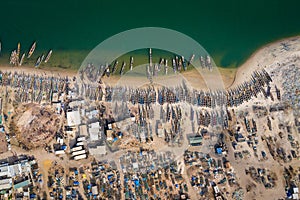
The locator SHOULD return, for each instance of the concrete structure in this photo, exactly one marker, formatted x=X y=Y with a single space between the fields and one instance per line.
x=14 y=170
x=76 y=153
x=79 y=157
x=109 y=134
x=74 y=104
x=5 y=184
x=83 y=130
x=4 y=171
x=59 y=152
x=94 y=130
x=81 y=139
x=73 y=118
x=99 y=150
x=160 y=132
x=95 y=190
x=195 y=140
x=8 y=172
x=76 y=148
x=79 y=144
x=21 y=184
x=92 y=114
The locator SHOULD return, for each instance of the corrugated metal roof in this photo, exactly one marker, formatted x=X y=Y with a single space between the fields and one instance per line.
x=21 y=184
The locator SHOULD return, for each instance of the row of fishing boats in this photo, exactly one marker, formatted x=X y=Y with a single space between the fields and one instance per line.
x=178 y=64
x=182 y=93
x=17 y=60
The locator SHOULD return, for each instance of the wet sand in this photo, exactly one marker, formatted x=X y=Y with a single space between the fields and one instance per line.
x=265 y=57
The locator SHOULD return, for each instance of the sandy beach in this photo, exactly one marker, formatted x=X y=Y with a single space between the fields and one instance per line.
x=275 y=58
x=192 y=77
x=32 y=70
x=266 y=57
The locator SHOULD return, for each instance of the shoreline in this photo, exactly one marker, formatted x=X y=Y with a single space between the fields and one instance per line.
x=264 y=57
x=231 y=76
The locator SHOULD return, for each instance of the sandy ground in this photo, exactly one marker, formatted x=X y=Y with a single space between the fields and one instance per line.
x=39 y=71
x=192 y=77
x=267 y=56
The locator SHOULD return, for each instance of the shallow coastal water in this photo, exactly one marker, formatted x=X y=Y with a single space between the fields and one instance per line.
x=229 y=30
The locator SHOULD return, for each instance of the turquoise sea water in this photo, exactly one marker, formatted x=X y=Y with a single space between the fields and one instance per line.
x=229 y=30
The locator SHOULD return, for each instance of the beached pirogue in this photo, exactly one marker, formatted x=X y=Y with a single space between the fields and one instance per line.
x=17 y=60
x=32 y=88
x=163 y=95
x=38 y=86
x=179 y=64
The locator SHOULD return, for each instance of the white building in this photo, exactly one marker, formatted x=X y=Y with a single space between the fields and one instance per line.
x=99 y=150
x=95 y=190
x=4 y=171
x=5 y=184
x=73 y=118
x=76 y=153
x=60 y=152
x=74 y=104
x=79 y=157
x=14 y=170
x=92 y=114
x=94 y=130
x=83 y=130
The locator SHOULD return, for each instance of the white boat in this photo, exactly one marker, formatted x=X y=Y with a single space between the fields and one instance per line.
x=18 y=49
x=161 y=62
x=202 y=61
x=191 y=59
x=22 y=58
x=150 y=57
x=48 y=56
x=131 y=63
x=31 y=50
x=115 y=67
x=173 y=63
x=176 y=60
x=13 y=58
x=42 y=58
x=208 y=61
x=122 y=68
x=38 y=62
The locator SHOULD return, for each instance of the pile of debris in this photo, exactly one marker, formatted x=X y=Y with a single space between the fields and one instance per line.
x=36 y=125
